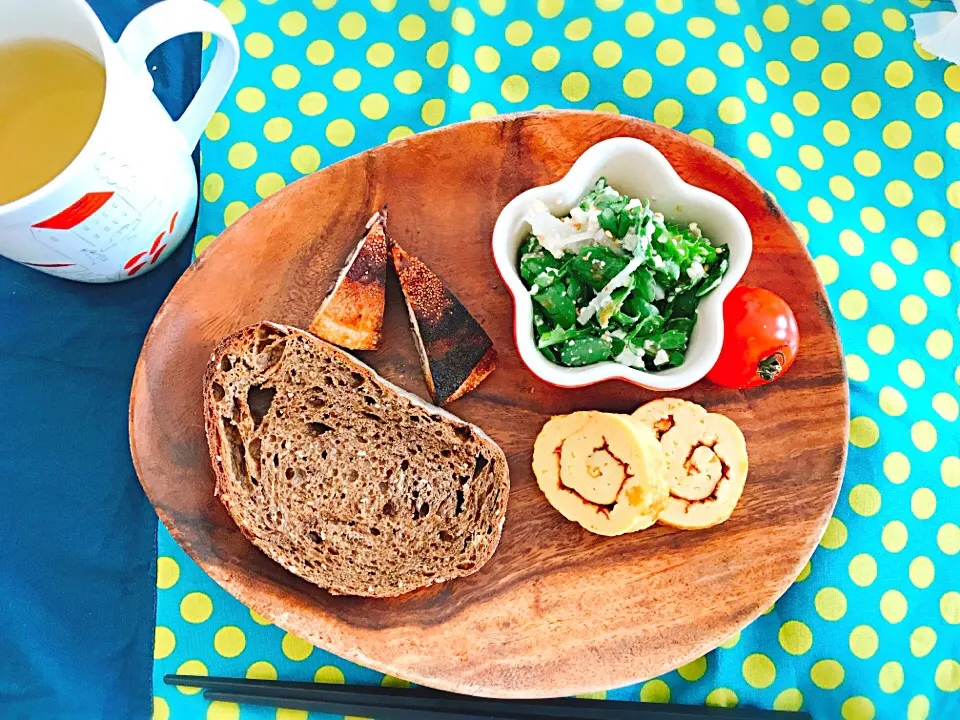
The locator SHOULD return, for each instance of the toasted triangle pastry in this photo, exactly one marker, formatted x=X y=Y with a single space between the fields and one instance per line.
x=351 y=315
x=455 y=352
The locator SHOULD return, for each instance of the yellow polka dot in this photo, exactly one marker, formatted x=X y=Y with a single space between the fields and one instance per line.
x=380 y=54
x=433 y=111
x=939 y=343
x=898 y=193
x=893 y=603
x=401 y=131
x=953 y=193
x=867 y=163
x=947 y=675
x=946 y=406
x=752 y=37
x=830 y=603
x=606 y=107
x=269 y=183
x=727 y=7
x=731 y=54
x=931 y=223
x=547 y=57
x=703 y=135
x=864 y=432
x=924 y=436
x=883 y=276
x=458 y=79
x=340 y=132
x=168 y=572
x=701 y=81
x=867 y=44
x=950 y=607
x=375 y=106
x=731 y=641
x=906 y=252
x=290 y=714
x=864 y=640
x=835 y=18
x=203 y=243
x=911 y=373
x=482 y=110
x=258 y=45
x=788 y=177
x=922 y=571
x=330 y=675
x=776 y=18
x=411 y=27
x=394 y=682
x=835 y=76
x=896 y=466
x=862 y=569
x=951 y=77
x=853 y=303
x=234 y=10
x=880 y=339
x=937 y=282
x=312 y=103
x=293 y=23
x=191 y=667
x=693 y=671
x=857 y=368
x=857 y=708
x=804 y=48
x=731 y=110
x=827 y=674
x=639 y=24
x=514 y=88
x=894 y=19
x=549 y=8
x=789 y=700
x=277 y=129
x=756 y=90
x=407 y=81
x=928 y=104
x=923 y=502
x=865 y=105
x=462 y=21
x=606 y=54
x=655 y=691
x=575 y=86
x=261 y=670
x=777 y=72
x=701 y=27
x=841 y=187
x=637 y=83
x=894 y=536
x=595 y=695
x=918 y=708
x=827 y=268
x=913 y=309
x=384 y=5
x=320 y=52
x=668 y=112
x=161 y=709
x=285 y=76
x=865 y=500
x=669 y=7
x=795 y=637
x=897 y=134
x=898 y=74
x=346 y=79
x=851 y=242
x=781 y=124
x=233 y=211
x=164 y=642
x=806 y=103
x=493 y=7
x=721 y=698
x=318 y=4
x=295 y=648
x=486 y=58
x=928 y=164
x=670 y=52
x=352 y=25
x=922 y=641
x=222 y=710
x=218 y=126
x=835 y=535
x=229 y=641
x=437 y=54
x=518 y=33
x=305 y=159
x=196 y=607
x=872 y=219
x=953 y=135
x=250 y=99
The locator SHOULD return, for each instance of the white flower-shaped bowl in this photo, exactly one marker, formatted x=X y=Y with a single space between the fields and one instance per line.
x=637 y=169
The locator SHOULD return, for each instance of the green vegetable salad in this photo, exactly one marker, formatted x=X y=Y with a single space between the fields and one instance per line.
x=614 y=280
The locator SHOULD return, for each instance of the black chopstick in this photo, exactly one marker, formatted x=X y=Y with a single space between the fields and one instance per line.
x=409 y=703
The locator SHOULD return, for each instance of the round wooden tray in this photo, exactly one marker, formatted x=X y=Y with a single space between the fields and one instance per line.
x=557 y=610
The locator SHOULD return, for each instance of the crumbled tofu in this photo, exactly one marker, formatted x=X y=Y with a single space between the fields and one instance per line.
x=661 y=357
x=634 y=203
x=695 y=229
x=695 y=271
x=609 y=191
x=534 y=289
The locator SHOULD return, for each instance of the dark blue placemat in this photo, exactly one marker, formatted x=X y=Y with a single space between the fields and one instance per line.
x=77 y=535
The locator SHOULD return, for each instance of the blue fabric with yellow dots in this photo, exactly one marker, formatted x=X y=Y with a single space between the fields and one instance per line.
x=835 y=110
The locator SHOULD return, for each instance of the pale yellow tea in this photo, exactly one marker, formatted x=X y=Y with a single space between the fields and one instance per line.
x=51 y=93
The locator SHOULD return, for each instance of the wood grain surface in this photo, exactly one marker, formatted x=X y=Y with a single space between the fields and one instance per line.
x=557 y=610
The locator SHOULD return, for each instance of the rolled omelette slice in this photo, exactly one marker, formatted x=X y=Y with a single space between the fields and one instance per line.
x=601 y=470
x=706 y=461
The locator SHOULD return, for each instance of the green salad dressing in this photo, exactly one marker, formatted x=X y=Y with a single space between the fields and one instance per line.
x=614 y=280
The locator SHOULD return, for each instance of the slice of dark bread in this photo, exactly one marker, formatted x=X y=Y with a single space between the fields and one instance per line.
x=455 y=351
x=341 y=477
x=351 y=314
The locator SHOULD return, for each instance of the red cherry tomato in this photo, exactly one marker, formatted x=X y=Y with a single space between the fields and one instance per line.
x=760 y=339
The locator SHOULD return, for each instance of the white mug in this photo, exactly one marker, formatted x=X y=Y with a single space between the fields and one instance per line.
x=128 y=199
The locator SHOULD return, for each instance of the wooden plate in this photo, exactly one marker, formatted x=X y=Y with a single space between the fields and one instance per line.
x=557 y=610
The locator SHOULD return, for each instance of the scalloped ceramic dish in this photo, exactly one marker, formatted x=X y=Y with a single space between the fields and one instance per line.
x=637 y=169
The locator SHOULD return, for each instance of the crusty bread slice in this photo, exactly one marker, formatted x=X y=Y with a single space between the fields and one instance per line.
x=341 y=477
x=351 y=314
x=455 y=352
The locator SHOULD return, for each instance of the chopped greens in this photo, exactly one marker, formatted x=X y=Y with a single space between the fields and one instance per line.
x=616 y=281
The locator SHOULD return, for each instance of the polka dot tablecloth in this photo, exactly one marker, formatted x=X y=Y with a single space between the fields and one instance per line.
x=839 y=114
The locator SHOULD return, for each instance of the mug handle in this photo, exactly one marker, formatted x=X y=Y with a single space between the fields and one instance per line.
x=170 y=18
